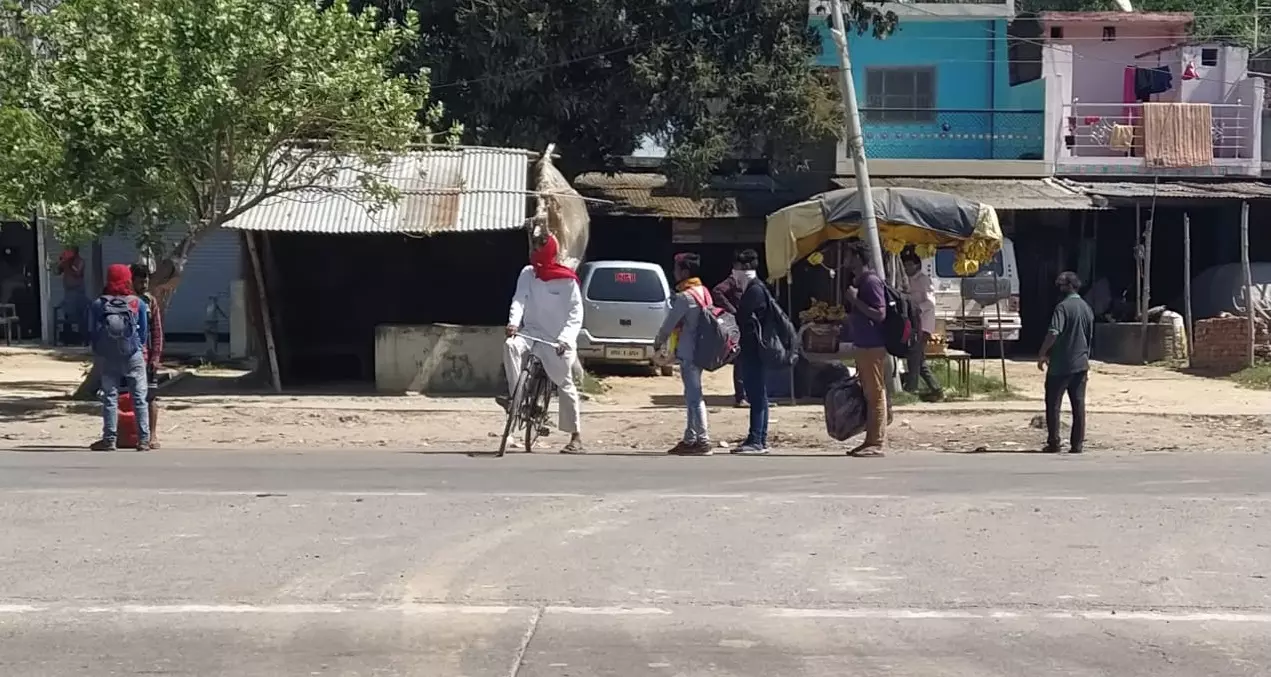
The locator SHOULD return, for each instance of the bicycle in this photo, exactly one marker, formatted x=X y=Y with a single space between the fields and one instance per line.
x=527 y=409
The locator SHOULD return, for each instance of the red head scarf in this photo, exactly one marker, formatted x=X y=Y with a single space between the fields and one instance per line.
x=118 y=280
x=545 y=266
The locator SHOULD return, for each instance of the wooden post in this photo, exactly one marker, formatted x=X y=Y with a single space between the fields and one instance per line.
x=1146 y=299
x=1138 y=260
x=790 y=311
x=1187 y=280
x=1250 y=310
x=266 y=318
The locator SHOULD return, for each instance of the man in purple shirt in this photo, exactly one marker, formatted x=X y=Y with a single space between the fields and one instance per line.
x=867 y=307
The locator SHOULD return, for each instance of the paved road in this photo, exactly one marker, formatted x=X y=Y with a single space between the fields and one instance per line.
x=378 y=563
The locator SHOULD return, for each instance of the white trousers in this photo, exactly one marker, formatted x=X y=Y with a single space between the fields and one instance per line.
x=559 y=369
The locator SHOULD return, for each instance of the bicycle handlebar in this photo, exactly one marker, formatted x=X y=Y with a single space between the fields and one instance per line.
x=536 y=339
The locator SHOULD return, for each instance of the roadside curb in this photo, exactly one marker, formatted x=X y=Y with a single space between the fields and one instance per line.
x=177 y=403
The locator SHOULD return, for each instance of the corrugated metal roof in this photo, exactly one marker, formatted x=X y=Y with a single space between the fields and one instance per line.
x=1175 y=190
x=1010 y=194
x=634 y=194
x=461 y=190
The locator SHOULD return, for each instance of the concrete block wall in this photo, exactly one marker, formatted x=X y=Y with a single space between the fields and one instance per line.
x=439 y=359
x=1221 y=344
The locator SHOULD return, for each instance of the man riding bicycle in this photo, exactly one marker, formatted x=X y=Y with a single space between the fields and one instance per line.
x=548 y=306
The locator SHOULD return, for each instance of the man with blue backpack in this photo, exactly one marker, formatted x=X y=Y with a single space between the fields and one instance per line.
x=703 y=337
x=117 y=334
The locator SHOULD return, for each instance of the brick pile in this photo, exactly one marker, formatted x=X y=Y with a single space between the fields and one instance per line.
x=1221 y=343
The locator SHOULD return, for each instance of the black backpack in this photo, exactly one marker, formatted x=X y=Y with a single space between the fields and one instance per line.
x=900 y=325
x=778 y=341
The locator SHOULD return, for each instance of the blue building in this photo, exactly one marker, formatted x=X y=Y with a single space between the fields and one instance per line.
x=940 y=95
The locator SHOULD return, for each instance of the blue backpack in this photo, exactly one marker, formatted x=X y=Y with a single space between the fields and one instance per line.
x=118 y=336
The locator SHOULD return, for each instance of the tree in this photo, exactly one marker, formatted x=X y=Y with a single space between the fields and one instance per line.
x=188 y=113
x=28 y=148
x=596 y=76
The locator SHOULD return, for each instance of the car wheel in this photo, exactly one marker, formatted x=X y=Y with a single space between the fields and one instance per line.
x=667 y=370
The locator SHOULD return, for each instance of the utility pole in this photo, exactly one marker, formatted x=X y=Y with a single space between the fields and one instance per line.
x=856 y=141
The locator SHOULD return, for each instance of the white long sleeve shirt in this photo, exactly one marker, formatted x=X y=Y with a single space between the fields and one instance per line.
x=923 y=295
x=550 y=310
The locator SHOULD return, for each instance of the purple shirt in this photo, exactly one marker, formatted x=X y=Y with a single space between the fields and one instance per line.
x=867 y=333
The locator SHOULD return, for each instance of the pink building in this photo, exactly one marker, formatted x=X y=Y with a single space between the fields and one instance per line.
x=1101 y=68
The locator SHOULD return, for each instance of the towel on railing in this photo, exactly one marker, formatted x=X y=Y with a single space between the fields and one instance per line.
x=1178 y=134
x=1122 y=137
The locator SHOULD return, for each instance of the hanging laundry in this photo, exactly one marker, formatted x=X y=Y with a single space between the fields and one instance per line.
x=1100 y=132
x=1149 y=81
x=1122 y=137
x=1127 y=94
x=1189 y=73
x=1178 y=134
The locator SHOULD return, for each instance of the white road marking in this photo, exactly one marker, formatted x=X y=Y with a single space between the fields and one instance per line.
x=972 y=614
x=865 y=613
x=266 y=494
x=608 y=611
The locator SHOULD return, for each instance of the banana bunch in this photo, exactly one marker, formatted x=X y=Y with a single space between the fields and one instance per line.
x=822 y=311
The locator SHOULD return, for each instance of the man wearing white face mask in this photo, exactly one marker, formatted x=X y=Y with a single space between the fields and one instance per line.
x=727 y=295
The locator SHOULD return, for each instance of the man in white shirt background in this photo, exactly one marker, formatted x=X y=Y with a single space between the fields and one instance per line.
x=922 y=295
x=547 y=305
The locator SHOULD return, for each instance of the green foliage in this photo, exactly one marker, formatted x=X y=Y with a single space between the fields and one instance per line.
x=28 y=148
x=595 y=76
x=194 y=111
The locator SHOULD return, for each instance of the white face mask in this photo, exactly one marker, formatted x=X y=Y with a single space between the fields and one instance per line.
x=744 y=276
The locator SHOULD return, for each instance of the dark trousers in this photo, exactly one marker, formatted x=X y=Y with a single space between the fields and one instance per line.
x=918 y=367
x=755 y=378
x=1075 y=386
x=739 y=384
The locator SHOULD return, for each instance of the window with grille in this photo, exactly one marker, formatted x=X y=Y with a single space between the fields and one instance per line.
x=904 y=94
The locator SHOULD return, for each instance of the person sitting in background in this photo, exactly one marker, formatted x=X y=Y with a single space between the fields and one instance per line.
x=154 y=344
x=117 y=332
x=680 y=329
x=922 y=295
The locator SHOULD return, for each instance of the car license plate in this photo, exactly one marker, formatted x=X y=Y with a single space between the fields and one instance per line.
x=624 y=353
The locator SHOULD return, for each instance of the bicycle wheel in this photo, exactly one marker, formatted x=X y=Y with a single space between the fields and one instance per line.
x=515 y=415
x=535 y=407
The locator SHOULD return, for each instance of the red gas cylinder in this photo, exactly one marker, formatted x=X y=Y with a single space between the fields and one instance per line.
x=127 y=422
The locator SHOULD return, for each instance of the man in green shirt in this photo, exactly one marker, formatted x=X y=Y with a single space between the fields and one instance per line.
x=1067 y=352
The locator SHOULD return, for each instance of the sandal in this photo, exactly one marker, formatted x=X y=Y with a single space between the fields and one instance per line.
x=573 y=447
x=867 y=450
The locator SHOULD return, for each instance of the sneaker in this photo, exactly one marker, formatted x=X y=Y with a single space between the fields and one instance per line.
x=102 y=445
x=143 y=446
x=680 y=448
x=741 y=404
x=698 y=448
x=751 y=449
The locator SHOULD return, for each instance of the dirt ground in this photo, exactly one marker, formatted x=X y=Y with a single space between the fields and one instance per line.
x=1133 y=409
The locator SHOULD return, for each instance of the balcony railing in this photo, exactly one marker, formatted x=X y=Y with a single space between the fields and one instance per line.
x=1100 y=132
x=940 y=134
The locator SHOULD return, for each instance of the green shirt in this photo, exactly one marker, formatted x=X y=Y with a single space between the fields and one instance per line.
x=1072 y=325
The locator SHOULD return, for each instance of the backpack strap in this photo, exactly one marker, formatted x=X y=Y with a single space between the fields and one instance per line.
x=702 y=296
